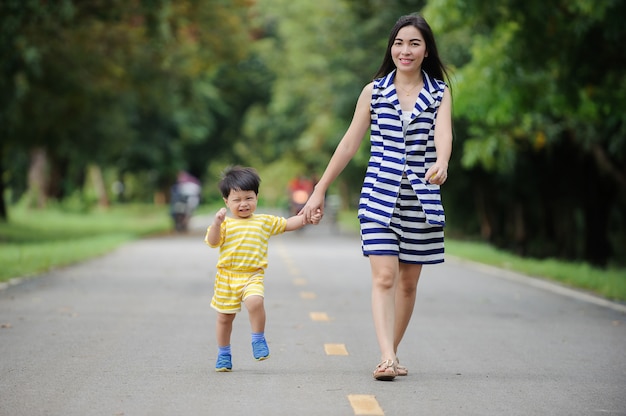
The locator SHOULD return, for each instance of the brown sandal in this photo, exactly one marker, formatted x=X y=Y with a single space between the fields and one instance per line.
x=386 y=371
x=402 y=370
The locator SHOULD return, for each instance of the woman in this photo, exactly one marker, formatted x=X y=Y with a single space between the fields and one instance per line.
x=408 y=108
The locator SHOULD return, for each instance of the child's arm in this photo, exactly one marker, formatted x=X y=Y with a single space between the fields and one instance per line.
x=213 y=234
x=298 y=221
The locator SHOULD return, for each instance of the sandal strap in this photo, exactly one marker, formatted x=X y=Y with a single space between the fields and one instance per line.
x=385 y=370
x=385 y=364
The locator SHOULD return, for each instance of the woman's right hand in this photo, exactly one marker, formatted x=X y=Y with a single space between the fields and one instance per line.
x=314 y=205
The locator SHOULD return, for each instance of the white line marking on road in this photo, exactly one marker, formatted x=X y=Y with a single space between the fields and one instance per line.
x=547 y=285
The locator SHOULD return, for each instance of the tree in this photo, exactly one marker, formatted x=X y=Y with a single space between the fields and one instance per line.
x=321 y=54
x=128 y=84
x=540 y=92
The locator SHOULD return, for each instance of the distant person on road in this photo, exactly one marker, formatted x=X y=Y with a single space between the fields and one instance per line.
x=243 y=241
x=184 y=199
x=408 y=109
x=300 y=188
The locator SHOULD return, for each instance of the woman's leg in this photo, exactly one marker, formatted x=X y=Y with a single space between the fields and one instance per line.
x=224 y=328
x=384 y=278
x=405 y=295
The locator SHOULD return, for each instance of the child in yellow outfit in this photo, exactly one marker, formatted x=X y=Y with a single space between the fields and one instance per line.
x=243 y=241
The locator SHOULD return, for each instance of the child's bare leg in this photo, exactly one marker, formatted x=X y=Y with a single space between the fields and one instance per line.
x=224 y=328
x=256 y=312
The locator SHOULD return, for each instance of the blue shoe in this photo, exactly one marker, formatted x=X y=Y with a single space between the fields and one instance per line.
x=260 y=350
x=224 y=363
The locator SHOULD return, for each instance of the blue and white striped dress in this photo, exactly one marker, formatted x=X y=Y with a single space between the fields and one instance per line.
x=407 y=152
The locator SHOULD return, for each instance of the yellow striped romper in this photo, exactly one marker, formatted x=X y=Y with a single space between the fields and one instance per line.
x=243 y=259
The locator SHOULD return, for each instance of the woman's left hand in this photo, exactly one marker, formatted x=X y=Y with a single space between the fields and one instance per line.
x=437 y=174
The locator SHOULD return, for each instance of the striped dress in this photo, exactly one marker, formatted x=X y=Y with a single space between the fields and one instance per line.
x=402 y=152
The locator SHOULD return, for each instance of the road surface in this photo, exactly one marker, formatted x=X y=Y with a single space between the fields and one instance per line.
x=131 y=333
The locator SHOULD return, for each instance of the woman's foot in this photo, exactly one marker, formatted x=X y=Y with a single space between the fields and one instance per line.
x=402 y=370
x=386 y=371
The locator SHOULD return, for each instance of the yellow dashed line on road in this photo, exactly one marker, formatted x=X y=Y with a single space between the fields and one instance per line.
x=319 y=316
x=335 y=349
x=291 y=266
x=362 y=404
x=365 y=405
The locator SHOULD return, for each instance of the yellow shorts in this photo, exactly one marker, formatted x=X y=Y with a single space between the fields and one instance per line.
x=231 y=288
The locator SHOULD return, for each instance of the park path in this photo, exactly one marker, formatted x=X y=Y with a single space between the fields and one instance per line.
x=132 y=333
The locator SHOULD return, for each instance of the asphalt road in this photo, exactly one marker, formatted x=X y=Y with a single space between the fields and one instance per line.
x=132 y=333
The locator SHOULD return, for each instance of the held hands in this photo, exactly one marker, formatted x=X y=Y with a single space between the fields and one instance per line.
x=314 y=209
x=316 y=217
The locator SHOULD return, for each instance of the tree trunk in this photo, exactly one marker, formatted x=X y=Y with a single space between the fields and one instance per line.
x=519 y=229
x=38 y=177
x=98 y=183
x=597 y=210
x=482 y=210
x=4 y=215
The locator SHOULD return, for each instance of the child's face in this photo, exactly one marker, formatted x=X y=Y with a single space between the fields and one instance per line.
x=241 y=204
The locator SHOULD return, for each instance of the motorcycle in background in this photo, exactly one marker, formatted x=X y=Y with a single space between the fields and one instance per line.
x=300 y=189
x=184 y=199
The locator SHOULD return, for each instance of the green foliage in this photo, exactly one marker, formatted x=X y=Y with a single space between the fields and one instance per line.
x=129 y=84
x=316 y=53
x=33 y=244
x=146 y=88
x=307 y=111
x=537 y=100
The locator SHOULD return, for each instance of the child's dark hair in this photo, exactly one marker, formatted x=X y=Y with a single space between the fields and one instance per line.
x=239 y=178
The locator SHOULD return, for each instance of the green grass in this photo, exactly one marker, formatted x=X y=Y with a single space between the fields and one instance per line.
x=608 y=283
x=35 y=241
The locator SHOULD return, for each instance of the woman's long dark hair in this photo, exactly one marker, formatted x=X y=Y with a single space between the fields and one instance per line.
x=432 y=64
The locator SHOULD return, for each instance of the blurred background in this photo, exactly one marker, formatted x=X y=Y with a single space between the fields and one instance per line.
x=105 y=103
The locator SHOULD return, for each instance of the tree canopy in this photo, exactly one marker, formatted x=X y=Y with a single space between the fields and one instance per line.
x=145 y=88
x=539 y=95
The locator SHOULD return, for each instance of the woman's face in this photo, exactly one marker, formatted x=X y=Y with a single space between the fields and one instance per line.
x=409 y=49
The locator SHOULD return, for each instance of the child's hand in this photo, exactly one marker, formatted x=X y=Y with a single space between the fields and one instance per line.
x=220 y=216
x=316 y=217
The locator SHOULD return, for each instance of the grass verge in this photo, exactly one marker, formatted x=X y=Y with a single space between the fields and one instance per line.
x=35 y=241
x=608 y=283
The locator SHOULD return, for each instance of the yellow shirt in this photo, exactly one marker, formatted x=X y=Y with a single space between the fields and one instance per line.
x=244 y=242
